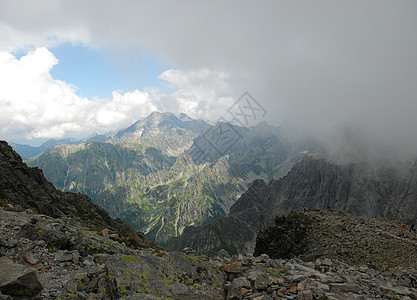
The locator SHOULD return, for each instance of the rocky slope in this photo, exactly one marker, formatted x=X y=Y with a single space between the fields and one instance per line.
x=26 y=187
x=56 y=245
x=48 y=258
x=308 y=235
x=360 y=189
x=94 y=266
x=264 y=278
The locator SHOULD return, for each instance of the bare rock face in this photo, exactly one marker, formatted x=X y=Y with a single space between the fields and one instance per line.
x=18 y=280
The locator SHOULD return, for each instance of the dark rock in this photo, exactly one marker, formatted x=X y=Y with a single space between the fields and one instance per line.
x=242 y=282
x=63 y=256
x=233 y=266
x=18 y=280
x=234 y=292
x=261 y=281
x=72 y=287
x=344 y=287
x=286 y=239
x=55 y=239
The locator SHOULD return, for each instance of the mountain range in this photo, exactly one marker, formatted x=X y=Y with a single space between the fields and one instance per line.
x=165 y=173
x=188 y=183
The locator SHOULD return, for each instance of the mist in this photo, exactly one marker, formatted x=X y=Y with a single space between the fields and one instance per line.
x=323 y=66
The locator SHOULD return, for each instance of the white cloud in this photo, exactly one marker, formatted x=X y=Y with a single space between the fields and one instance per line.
x=319 y=63
x=32 y=98
x=39 y=106
x=201 y=94
x=35 y=105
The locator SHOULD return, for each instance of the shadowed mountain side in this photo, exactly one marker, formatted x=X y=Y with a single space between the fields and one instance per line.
x=313 y=183
x=27 y=187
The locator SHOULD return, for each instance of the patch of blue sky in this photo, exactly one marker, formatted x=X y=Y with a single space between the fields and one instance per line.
x=98 y=72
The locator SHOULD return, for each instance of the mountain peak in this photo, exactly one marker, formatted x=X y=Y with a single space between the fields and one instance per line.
x=185 y=118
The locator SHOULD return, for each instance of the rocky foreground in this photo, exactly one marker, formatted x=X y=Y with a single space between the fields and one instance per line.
x=48 y=258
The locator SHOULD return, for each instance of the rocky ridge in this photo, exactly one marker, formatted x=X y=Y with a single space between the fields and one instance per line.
x=311 y=234
x=47 y=258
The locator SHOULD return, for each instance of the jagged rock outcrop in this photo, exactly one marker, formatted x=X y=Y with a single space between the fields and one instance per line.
x=313 y=183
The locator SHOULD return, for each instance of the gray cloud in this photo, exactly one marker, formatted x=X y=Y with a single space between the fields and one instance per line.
x=319 y=64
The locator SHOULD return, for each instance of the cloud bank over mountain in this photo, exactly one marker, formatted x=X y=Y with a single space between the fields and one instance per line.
x=320 y=65
x=36 y=104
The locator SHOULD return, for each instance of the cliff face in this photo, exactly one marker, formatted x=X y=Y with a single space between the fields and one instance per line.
x=314 y=183
x=360 y=189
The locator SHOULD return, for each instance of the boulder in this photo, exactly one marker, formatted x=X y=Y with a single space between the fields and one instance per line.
x=233 y=266
x=18 y=281
x=261 y=281
x=163 y=275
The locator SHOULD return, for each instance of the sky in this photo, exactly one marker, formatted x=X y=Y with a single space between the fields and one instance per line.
x=68 y=68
